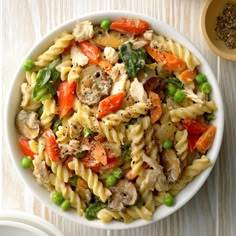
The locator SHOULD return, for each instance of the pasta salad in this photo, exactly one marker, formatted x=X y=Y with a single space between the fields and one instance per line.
x=115 y=119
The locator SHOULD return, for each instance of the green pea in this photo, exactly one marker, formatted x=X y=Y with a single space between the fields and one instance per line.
x=105 y=24
x=57 y=198
x=65 y=205
x=80 y=154
x=117 y=172
x=111 y=180
x=73 y=180
x=200 y=78
x=205 y=87
x=28 y=65
x=26 y=162
x=171 y=89
x=167 y=144
x=168 y=200
x=88 y=133
x=179 y=96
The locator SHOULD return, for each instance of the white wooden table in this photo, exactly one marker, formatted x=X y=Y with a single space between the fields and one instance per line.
x=212 y=211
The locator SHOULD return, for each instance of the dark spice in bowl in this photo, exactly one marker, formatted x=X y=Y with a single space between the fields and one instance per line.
x=226 y=25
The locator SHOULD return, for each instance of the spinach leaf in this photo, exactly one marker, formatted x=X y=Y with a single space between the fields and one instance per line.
x=176 y=82
x=47 y=81
x=134 y=60
x=91 y=211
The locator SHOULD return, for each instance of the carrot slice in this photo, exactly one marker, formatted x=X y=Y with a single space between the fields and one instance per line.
x=25 y=148
x=206 y=139
x=66 y=97
x=130 y=26
x=52 y=148
x=156 y=111
x=90 y=50
x=170 y=61
x=187 y=76
x=105 y=65
x=131 y=176
x=81 y=183
x=109 y=104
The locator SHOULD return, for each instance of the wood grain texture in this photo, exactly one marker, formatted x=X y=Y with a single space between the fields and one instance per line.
x=212 y=211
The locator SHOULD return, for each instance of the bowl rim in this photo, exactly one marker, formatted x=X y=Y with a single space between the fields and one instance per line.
x=215 y=49
x=198 y=181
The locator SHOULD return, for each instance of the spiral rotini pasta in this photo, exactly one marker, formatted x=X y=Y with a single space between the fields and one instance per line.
x=49 y=112
x=64 y=68
x=113 y=138
x=61 y=172
x=91 y=178
x=68 y=193
x=192 y=111
x=181 y=145
x=62 y=134
x=54 y=51
x=177 y=50
x=138 y=143
x=132 y=213
x=126 y=115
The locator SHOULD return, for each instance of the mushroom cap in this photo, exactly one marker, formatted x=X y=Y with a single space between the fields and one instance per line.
x=124 y=194
x=27 y=124
x=93 y=85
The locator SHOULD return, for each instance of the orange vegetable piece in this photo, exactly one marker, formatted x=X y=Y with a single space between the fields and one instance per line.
x=130 y=26
x=25 y=148
x=105 y=65
x=187 y=76
x=109 y=104
x=91 y=51
x=156 y=111
x=66 y=97
x=81 y=183
x=131 y=176
x=206 y=140
x=98 y=152
x=52 y=148
x=170 y=61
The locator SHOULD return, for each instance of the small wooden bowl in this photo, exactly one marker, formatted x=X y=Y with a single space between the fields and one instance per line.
x=210 y=11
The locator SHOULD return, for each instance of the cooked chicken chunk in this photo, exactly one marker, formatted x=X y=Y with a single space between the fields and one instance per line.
x=78 y=58
x=137 y=91
x=41 y=173
x=111 y=55
x=28 y=103
x=83 y=31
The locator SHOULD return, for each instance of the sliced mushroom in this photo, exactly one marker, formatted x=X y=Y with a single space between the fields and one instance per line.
x=93 y=85
x=124 y=194
x=171 y=165
x=27 y=124
x=110 y=38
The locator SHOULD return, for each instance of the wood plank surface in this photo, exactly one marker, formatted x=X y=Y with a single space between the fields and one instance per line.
x=212 y=212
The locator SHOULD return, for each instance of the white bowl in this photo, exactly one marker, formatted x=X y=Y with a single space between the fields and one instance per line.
x=12 y=228
x=13 y=106
x=32 y=220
